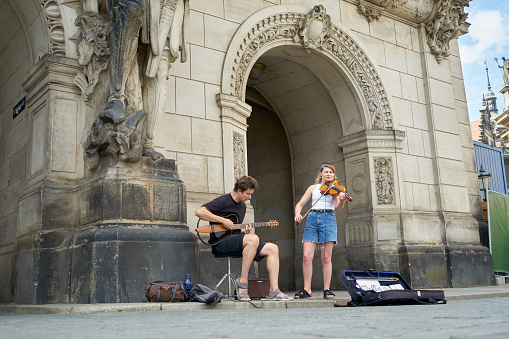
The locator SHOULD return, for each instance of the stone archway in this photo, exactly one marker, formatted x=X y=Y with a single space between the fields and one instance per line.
x=364 y=130
x=290 y=26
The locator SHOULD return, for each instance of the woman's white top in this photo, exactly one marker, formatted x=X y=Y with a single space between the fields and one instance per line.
x=325 y=203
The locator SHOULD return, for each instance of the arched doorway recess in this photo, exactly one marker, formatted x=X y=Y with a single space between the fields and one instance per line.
x=325 y=90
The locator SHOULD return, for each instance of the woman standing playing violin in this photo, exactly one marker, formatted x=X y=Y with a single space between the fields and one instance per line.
x=320 y=229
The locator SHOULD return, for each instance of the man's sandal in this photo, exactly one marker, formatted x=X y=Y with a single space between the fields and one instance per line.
x=273 y=295
x=241 y=296
x=302 y=294
x=327 y=294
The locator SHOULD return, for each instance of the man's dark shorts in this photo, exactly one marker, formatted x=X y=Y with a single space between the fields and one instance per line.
x=232 y=246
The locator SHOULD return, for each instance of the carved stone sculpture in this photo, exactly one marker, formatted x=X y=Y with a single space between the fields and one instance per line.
x=370 y=13
x=444 y=27
x=314 y=27
x=238 y=155
x=384 y=181
x=505 y=71
x=92 y=41
x=132 y=93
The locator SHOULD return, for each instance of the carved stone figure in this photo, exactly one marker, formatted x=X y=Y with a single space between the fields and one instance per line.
x=161 y=25
x=444 y=26
x=505 y=71
x=384 y=181
x=92 y=42
x=238 y=154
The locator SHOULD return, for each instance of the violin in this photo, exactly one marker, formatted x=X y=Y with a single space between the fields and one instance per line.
x=334 y=188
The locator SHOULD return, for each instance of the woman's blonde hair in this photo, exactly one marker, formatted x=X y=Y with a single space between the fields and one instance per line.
x=325 y=165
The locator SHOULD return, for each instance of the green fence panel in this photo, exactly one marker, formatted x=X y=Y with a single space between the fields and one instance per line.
x=498 y=220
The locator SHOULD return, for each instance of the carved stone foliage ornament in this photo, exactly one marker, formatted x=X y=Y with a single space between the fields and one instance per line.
x=369 y=12
x=239 y=167
x=315 y=31
x=55 y=27
x=314 y=27
x=384 y=181
x=444 y=26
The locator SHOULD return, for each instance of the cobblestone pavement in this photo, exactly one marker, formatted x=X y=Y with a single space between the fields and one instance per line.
x=470 y=318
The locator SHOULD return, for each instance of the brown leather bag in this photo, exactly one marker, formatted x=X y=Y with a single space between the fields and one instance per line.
x=168 y=292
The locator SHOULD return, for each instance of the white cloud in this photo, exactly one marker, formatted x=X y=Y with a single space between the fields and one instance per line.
x=489 y=31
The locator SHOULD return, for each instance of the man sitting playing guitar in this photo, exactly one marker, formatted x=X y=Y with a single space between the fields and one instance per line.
x=227 y=210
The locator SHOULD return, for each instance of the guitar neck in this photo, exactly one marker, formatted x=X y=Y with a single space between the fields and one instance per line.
x=253 y=224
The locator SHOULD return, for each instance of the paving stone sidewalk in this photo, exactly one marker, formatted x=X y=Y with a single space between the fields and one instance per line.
x=316 y=301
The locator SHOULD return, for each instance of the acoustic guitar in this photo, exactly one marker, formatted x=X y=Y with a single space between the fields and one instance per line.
x=220 y=228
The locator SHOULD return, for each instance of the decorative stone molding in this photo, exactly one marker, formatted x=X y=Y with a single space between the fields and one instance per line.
x=444 y=26
x=313 y=28
x=239 y=167
x=384 y=181
x=287 y=28
x=412 y=11
x=371 y=13
x=55 y=27
x=359 y=183
x=372 y=140
x=233 y=110
x=358 y=232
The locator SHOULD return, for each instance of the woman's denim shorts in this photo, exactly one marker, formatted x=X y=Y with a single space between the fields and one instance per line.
x=321 y=227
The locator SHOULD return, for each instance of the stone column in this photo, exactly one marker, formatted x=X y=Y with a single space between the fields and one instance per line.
x=100 y=238
x=54 y=154
x=234 y=114
x=373 y=226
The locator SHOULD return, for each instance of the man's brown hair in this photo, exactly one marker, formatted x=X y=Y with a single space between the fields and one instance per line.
x=245 y=183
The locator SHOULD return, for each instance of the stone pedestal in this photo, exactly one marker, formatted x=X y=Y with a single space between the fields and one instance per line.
x=104 y=240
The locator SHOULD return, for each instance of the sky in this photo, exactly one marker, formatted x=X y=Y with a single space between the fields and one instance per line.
x=488 y=38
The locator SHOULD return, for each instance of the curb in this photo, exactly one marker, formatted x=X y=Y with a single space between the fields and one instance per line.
x=225 y=304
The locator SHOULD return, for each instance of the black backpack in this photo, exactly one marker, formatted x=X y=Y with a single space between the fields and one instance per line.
x=205 y=295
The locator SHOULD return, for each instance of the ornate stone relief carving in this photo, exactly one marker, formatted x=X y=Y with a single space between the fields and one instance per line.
x=239 y=167
x=384 y=181
x=444 y=20
x=136 y=86
x=449 y=15
x=369 y=12
x=55 y=27
x=359 y=183
x=331 y=39
x=93 y=50
x=314 y=27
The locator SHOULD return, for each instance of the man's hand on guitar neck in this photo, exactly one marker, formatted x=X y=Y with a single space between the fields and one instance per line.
x=248 y=229
x=227 y=223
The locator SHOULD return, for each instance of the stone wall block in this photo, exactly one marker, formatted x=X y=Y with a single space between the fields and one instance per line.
x=54 y=239
x=53 y=281
x=206 y=64
x=59 y=210
x=135 y=201
x=91 y=204
x=168 y=203
x=81 y=268
x=465 y=259
x=110 y=200
x=424 y=266
x=26 y=272
x=104 y=276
